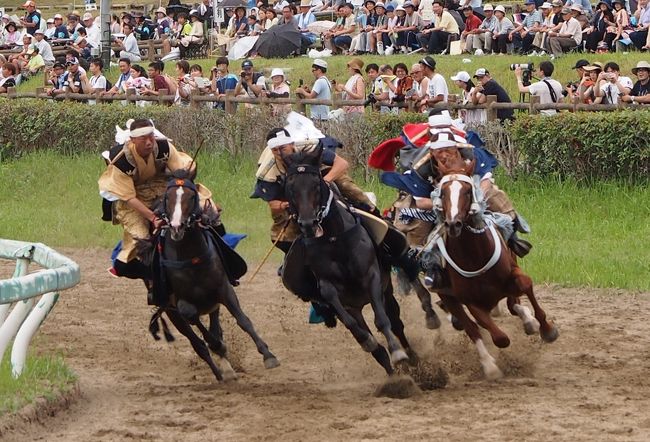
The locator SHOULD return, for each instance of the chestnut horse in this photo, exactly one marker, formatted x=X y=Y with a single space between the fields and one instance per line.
x=481 y=269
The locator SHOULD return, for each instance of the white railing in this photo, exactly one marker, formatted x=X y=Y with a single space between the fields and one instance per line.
x=23 y=320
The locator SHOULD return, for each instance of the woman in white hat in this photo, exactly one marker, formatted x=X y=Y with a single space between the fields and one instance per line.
x=279 y=89
x=463 y=80
x=502 y=28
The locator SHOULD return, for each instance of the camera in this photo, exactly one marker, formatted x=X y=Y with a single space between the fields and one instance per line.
x=523 y=66
x=370 y=100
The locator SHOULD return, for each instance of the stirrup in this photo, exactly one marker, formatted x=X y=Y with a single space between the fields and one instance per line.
x=519 y=246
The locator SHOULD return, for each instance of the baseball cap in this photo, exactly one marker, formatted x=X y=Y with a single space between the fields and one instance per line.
x=408 y=4
x=428 y=61
x=246 y=64
x=50 y=21
x=87 y=16
x=546 y=5
x=557 y=3
x=38 y=31
x=500 y=9
x=529 y=2
x=29 y=3
x=390 y=8
x=461 y=76
x=481 y=72
x=72 y=62
x=488 y=7
x=58 y=16
x=320 y=63
x=580 y=64
x=277 y=71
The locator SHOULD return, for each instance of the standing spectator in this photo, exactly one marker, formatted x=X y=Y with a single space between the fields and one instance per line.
x=437 y=90
x=321 y=90
x=222 y=80
x=44 y=48
x=73 y=81
x=183 y=86
x=97 y=81
x=547 y=89
x=568 y=37
x=61 y=31
x=8 y=77
x=32 y=19
x=464 y=82
x=488 y=86
x=408 y=31
x=420 y=86
x=501 y=31
x=435 y=37
x=205 y=13
x=523 y=35
x=354 y=88
x=129 y=45
x=304 y=19
x=56 y=79
x=125 y=73
x=611 y=85
x=472 y=25
x=595 y=33
x=586 y=88
x=640 y=93
x=279 y=89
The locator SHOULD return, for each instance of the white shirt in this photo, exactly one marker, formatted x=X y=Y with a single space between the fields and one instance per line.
x=572 y=27
x=437 y=86
x=93 y=36
x=611 y=92
x=98 y=82
x=131 y=44
x=45 y=50
x=541 y=89
x=323 y=92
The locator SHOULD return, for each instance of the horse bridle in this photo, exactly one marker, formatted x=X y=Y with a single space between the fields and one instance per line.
x=195 y=216
x=325 y=198
x=474 y=207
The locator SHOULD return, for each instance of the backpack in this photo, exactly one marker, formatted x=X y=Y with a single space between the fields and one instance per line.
x=109 y=85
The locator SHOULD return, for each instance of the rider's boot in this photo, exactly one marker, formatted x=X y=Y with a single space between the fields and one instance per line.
x=498 y=201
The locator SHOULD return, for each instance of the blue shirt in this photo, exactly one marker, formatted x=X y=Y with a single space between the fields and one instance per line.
x=227 y=83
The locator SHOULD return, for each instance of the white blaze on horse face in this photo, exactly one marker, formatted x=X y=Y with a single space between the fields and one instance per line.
x=178 y=211
x=455 y=188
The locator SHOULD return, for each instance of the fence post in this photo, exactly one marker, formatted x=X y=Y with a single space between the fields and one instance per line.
x=534 y=100
x=229 y=106
x=336 y=97
x=150 y=50
x=491 y=111
x=161 y=95
x=129 y=93
x=575 y=100
x=301 y=108
x=193 y=103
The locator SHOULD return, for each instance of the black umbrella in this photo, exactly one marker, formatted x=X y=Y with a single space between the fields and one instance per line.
x=232 y=4
x=279 y=41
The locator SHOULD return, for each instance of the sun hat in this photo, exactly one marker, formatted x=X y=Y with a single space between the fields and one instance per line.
x=305 y=3
x=488 y=7
x=400 y=8
x=593 y=67
x=576 y=8
x=529 y=2
x=461 y=76
x=355 y=63
x=161 y=10
x=320 y=63
x=546 y=5
x=481 y=72
x=566 y=11
x=408 y=4
x=88 y=16
x=641 y=65
x=557 y=3
x=380 y=5
x=390 y=8
x=500 y=9
x=277 y=71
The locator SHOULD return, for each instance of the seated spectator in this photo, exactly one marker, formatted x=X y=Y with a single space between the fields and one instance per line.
x=584 y=6
x=144 y=29
x=402 y=85
x=250 y=84
x=97 y=82
x=238 y=23
x=50 y=29
x=408 y=30
x=387 y=76
x=138 y=80
x=163 y=23
x=183 y=29
x=568 y=37
x=73 y=81
x=472 y=25
x=196 y=34
x=463 y=80
x=375 y=41
x=73 y=26
x=11 y=36
x=253 y=28
x=354 y=88
x=8 y=77
x=19 y=59
x=341 y=38
x=271 y=18
x=548 y=23
x=587 y=86
x=639 y=36
x=435 y=36
x=61 y=31
x=197 y=81
x=378 y=88
x=222 y=80
x=116 y=26
x=601 y=20
x=44 y=48
x=279 y=5
x=34 y=64
x=93 y=33
x=481 y=38
x=279 y=89
x=129 y=44
x=82 y=47
x=523 y=35
x=288 y=15
x=304 y=19
x=621 y=28
x=610 y=85
x=640 y=93
x=56 y=78
x=502 y=29
x=420 y=86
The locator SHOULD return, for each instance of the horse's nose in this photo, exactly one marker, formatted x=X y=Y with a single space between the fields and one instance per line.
x=307 y=223
x=454 y=227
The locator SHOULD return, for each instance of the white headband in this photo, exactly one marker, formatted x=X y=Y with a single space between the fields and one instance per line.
x=280 y=140
x=448 y=139
x=141 y=131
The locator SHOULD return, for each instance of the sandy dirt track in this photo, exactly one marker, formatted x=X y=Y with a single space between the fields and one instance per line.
x=592 y=384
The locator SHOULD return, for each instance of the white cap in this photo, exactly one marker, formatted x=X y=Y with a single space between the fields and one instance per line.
x=320 y=63
x=576 y=8
x=481 y=72
x=546 y=5
x=277 y=71
x=400 y=8
x=58 y=16
x=50 y=21
x=499 y=8
x=380 y=5
x=38 y=31
x=87 y=16
x=488 y=7
x=461 y=76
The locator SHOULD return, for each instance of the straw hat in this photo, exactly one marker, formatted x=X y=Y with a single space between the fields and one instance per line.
x=641 y=65
x=355 y=63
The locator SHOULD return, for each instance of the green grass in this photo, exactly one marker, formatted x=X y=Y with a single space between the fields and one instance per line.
x=583 y=235
x=299 y=68
x=43 y=377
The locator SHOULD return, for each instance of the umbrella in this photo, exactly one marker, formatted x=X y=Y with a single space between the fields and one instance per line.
x=232 y=4
x=242 y=47
x=321 y=26
x=279 y=41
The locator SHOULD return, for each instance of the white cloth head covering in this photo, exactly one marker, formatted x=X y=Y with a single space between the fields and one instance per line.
x=124 y=135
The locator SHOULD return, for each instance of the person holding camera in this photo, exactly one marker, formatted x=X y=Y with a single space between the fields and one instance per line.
x=610 y=85
x=250 y=83
x=548 y=89
x=488 y=86
x=321 y=90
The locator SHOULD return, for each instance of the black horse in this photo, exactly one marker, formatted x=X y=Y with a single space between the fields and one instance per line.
x=190 y=262
x=336 y=263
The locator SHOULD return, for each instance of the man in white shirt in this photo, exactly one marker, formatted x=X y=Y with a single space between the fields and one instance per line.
x=44 y=48
x=611 y=85
x=321 y=90
x=548 y=89
x=93 y=34
x=130 y=44
x=437 y=90
x=568 y=37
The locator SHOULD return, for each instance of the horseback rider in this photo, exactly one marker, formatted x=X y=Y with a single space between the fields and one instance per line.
x=139 y=166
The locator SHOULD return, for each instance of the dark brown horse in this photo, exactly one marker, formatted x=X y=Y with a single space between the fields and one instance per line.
x=481 y=269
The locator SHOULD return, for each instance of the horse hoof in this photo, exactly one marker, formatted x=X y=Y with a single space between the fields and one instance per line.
x=271 y=362
x=414 y=359
x=432 y=322
x=501 y=341
x=370 y=344
x=551 y=335
x=492 y=373
x=229 y=376
x=398 y=356
x=531 y=327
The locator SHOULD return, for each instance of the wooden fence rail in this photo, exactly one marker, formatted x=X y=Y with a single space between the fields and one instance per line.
x=230 y=102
